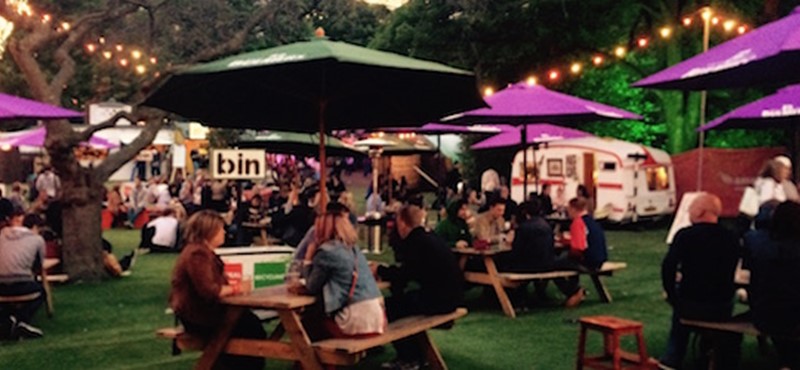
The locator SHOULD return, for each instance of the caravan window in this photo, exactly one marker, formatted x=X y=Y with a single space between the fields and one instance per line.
x=609 y=166
x=657 y=178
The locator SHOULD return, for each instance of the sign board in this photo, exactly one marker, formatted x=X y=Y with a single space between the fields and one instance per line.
x=264 y=266
x=178 y=156
x=237 y=164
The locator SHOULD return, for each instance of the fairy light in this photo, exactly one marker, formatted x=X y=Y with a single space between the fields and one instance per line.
x=597 y=60
x=141 y=69
x=729 y=25
x=488 y=91
x=119 y=47
x=153 y=60
x=687 y=21
x=620 y=51
x=642 y=42
x=741 y=30
x=47 y=18
x=65 y=26
x=553 y=75
x=576 y=68
x=706 y=13
x=107 y=54
x=532 y=80
x=136 y=54
x=665 y=32
x=715 y=21
x=91 y=48
x=123 y=62
x=101 y=40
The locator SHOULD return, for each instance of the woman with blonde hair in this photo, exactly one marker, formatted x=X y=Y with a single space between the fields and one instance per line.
x=199 y=283
x=339 y=272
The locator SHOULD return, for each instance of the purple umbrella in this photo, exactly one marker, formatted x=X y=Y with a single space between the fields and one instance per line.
x=524 y=103
x=780 y=110
x=14 y=107
x=444 y=129
x=36 y=137
x=768 y=54
x=537 y=133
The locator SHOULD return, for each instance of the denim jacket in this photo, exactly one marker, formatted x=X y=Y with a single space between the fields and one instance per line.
x=332 y=275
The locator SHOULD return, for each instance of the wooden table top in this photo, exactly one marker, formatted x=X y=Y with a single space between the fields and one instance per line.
x=51 y=262
x=480 y=252
x=274 y=297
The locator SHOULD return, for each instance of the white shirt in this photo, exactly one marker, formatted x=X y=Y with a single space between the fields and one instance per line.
x=166 y=234
x=769 y=189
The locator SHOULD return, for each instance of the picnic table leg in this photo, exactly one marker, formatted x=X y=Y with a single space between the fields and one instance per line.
x=219 y=341
x=48 y=294
x=462 y=261
x=278 y=333
x=491 y=270
x=435 y=360
x=602 y=291
x=299 y=339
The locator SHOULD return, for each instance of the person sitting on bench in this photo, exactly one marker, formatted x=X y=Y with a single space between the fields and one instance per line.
x=774 y=273
x=21 y=252
x=429 y=262
x=706 y=255
x=587 y=250
x=198 y=284
x=162 y=234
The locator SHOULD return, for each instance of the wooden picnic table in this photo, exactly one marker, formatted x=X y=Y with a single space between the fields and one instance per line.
x=46 y=265
x=277 y=298
x=490 y=277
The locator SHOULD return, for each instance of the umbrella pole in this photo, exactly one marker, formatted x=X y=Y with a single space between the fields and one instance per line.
x=524 y=141
x=323 y=171
x=795 y=135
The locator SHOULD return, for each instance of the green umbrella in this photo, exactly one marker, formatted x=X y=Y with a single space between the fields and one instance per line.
x=297 y=143
x=317 y=86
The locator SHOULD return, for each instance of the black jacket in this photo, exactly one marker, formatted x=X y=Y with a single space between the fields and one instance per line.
x=430 y=263
x=532 y=249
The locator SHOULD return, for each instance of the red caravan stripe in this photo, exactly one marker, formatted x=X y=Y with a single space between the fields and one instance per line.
x=518 y=181
x=606 y=185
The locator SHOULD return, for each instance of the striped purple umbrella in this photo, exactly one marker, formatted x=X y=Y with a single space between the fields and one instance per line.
x=537 y=133
x=14 y=107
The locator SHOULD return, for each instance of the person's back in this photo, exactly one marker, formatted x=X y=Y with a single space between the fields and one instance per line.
x=532 y=249
x=587 y=238
x=20 y=248
x=597 y=250
x=165 y=231
x=707 y=254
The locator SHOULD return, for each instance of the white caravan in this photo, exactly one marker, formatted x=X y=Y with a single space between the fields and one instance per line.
x=627 y=181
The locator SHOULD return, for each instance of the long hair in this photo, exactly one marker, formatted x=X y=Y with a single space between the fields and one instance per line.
x=334 y=226
x=202 y=226
x=769 y=169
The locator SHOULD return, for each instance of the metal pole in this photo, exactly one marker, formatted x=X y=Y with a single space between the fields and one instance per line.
x=524 y=141
x=323 y=176
x=703 y=100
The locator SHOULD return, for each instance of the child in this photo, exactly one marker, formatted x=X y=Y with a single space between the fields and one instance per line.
x=587 y=250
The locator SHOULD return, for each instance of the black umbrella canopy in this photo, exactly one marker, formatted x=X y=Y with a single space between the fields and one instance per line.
x=294 y=87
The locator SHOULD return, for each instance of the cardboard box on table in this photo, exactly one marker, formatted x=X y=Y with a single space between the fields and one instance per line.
x=265 y=266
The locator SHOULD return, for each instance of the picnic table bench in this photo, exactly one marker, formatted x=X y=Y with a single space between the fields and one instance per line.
x=500 y=280
x=329 y=352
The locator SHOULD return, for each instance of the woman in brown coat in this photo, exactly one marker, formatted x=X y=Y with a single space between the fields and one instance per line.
x=198 y=284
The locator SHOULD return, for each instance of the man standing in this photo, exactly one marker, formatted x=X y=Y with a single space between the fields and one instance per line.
x=21 y=252
x=48 y=183
x=706 y=255
x=429 y=263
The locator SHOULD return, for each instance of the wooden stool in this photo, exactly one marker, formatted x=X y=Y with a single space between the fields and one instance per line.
x=612 y=329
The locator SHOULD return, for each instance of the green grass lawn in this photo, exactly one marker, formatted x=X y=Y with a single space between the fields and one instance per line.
x=111 y=325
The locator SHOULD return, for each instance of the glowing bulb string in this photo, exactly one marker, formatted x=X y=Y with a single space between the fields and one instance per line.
x=555 y=74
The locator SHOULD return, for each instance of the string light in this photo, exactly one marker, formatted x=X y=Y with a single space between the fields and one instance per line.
x=141 y=69
x=642 y=42
x=123 y=62
x=597 y=60
x=665 y=32
x=742 y=29
x=553 y=75
x=620 y=51
x=91 y=48
x=107 y=54
x=119 y=47
x=687 y=21
x=706 y=13
x=101 y=40
x=728 y=26
x=576 y=68
x=488 y=91
x=46 y=18
x=65 y=26
x=532 y=80
x=153 y=60
x=136 y=54
x=715 y=21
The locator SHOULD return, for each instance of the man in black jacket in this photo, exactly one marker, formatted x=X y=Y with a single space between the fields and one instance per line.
x=428 y=262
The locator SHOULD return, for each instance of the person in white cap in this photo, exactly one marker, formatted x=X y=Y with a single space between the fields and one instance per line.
x=784 y=165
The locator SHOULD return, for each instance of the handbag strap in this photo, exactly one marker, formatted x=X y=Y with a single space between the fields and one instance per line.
x=355 y=275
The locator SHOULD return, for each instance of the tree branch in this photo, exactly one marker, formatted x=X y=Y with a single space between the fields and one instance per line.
x=85 y=135
x=155 y=121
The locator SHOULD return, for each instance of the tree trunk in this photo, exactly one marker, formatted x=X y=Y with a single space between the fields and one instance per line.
x=82 y=252
x=681 y=110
